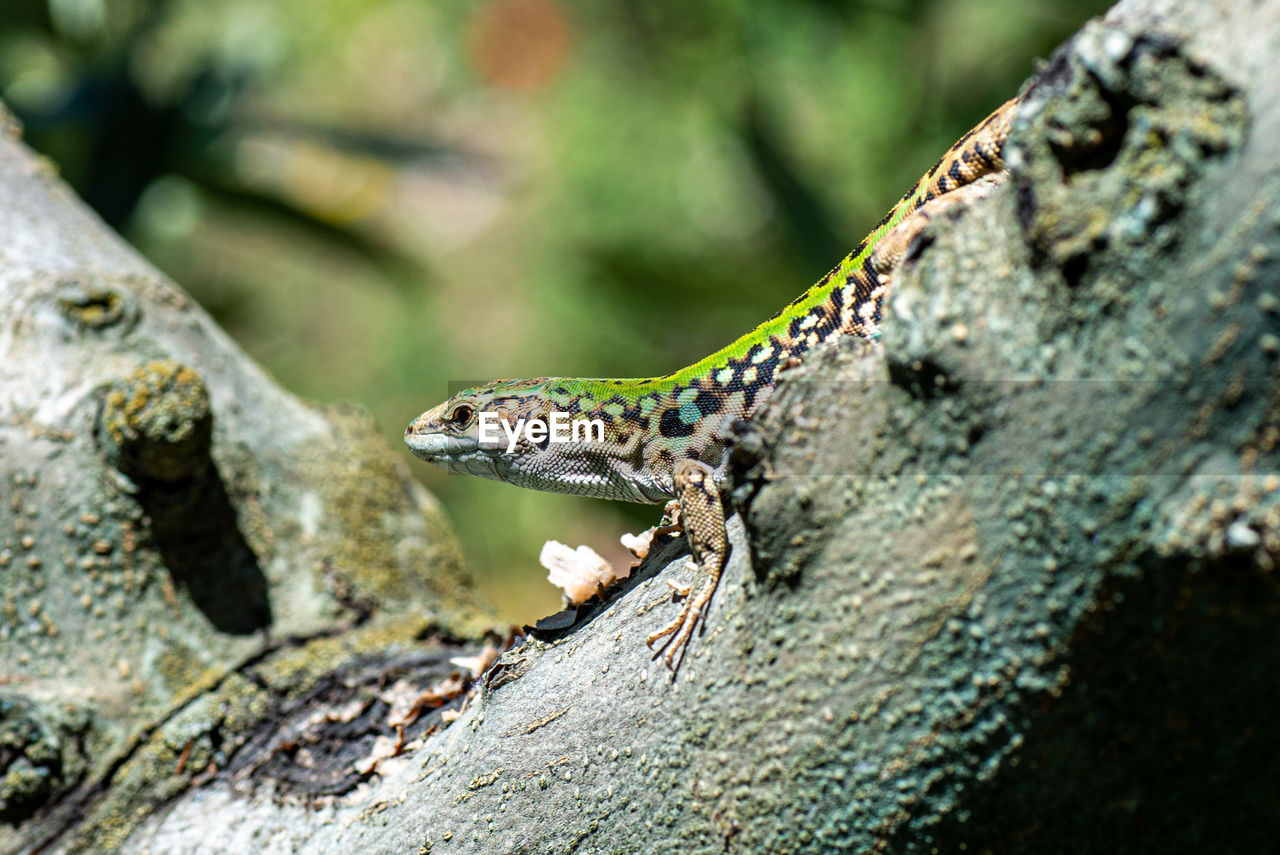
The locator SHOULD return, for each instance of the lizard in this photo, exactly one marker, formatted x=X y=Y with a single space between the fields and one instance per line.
x=663 y=436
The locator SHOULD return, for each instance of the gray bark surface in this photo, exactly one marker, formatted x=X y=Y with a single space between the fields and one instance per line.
x=1004 y=582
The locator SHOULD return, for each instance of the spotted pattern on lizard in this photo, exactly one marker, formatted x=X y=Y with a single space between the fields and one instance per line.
x=663 y=434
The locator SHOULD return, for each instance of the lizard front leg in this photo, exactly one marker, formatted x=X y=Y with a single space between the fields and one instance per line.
x=703 y=517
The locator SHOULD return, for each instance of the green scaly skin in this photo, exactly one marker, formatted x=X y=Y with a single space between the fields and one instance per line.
x=663 y=435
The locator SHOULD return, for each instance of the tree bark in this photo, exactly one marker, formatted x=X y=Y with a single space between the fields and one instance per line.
x=1002 y=582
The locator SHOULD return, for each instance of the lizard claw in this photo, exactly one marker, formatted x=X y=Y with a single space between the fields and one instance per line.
x=682 y=591
x=681 y=629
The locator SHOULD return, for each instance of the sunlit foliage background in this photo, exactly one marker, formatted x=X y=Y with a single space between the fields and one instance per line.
x=379 y=198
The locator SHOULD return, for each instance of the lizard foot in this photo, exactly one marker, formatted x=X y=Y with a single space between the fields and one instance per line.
x=703 y=518
x=681 y=629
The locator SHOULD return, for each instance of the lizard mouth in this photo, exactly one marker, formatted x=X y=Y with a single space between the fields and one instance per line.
x=437 y=446
x=458 y=454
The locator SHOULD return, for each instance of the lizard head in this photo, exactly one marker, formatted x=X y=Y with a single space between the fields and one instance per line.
x=449 y=434
x=549 y=434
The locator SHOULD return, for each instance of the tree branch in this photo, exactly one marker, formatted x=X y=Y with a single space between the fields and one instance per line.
x=1002 y=583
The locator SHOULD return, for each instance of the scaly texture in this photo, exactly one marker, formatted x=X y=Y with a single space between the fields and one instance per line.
x=662 y=435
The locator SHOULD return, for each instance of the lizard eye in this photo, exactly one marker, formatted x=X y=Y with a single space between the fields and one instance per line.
x=461 y=415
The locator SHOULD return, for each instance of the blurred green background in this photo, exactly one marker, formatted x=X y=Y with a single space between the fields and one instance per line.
x=380 y=198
